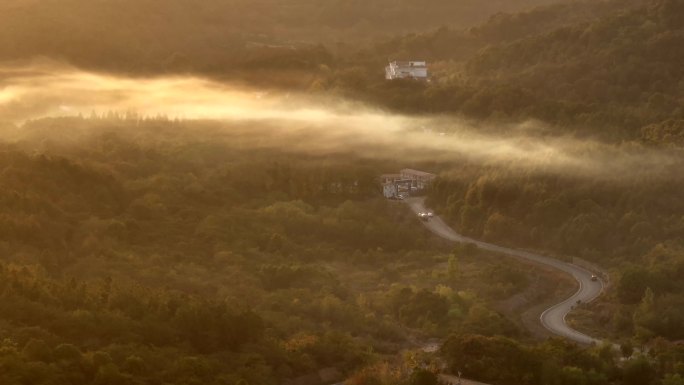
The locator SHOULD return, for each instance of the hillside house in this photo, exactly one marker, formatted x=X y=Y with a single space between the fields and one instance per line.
x=406 y=70
x=421 y=179
x=407 y=182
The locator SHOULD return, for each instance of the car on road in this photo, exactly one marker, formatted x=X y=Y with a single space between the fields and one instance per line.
x=424 y=216
x=594 y=278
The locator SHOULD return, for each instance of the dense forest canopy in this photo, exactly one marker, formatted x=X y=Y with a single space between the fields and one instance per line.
x=147 y=251
x=146 y=260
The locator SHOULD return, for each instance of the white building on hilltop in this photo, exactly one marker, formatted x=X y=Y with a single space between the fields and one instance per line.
x=406 y=70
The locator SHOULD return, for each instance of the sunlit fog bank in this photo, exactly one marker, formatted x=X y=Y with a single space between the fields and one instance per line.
x=316 y=125
x=40 y=92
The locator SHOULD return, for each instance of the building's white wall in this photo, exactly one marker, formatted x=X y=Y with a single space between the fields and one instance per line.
x=406 y=70
x=389 y=190
x=419 y=72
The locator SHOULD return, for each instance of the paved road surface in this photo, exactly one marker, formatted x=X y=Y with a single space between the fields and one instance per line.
x=552 y=318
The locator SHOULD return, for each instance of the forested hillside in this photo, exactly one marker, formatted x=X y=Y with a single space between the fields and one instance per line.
x=618 y=77
x=622 y=71
x=608 y=69
x=634 y=226
x=152 y=251
x=217 y=37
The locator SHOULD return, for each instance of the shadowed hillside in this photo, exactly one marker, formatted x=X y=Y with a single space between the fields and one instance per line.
x=208 y=36
x=608 y=69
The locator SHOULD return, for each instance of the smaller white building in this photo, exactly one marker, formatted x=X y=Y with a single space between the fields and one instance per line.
x=406 y=70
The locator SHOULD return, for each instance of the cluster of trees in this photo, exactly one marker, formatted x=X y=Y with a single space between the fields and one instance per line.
x=71 y=206
x=601 y=219
x=404 y=373
x=73 y=332
x=634 y=227
x=648 y=297
x=668 y=133
x=192 y=259
x=156 y=251
x=500 y=360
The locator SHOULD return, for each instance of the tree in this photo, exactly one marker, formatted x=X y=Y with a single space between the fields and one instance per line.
x=673 y=379
x=632 y=284
x=500 y=227
x=452 y=267
x=37 y=350
x=491 y=359
x=638 y=372
x=67 y=353
x=645 y=316
x=109 y=374
x=134 y=365
x=423 y=377
x=626 y=349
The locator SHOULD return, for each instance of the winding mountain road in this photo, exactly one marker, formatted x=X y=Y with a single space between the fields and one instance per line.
x=552 y=318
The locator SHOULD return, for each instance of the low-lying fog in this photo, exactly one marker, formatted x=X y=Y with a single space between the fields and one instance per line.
x=316 y=124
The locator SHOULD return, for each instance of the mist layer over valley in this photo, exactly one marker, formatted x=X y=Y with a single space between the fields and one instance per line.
x=315 y=124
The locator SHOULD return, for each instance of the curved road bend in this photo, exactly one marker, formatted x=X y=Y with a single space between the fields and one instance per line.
x=552 y=318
